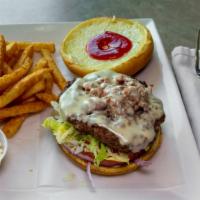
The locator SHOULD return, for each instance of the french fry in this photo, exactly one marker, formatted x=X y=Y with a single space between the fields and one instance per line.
x=47 y=97
x=30 y=99
x=12 y=61
x=1 y=72
x=20 y=87
x=11 y=127
x=7 y=69
x=37 y=46
x=2 y=53
x=48 y=82
x=13 y=77
x=31 y=107
x=38 y=87
x=11 y=50
x=42 y=63
x=58 y=77
x=28 y=52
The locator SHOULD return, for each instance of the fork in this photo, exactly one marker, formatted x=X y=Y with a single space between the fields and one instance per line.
x=197 y=68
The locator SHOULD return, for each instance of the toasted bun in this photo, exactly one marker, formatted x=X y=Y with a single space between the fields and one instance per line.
x=113 y=171
x=80 y=63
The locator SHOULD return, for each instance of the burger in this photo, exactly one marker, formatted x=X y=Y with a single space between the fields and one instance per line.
x=109 y=121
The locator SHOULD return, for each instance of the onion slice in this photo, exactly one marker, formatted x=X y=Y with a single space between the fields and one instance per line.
x=91 y=181
x=79 y=155
x=142 y=163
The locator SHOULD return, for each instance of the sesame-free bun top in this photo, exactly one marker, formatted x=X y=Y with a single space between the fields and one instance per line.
x=77 y=59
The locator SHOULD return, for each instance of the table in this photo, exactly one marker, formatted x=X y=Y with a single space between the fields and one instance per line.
x=177 y=21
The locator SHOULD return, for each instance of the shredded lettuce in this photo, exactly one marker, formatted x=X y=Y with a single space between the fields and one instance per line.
x=93 y=145
x=102 y=154
x=60 y=129
x=65 y=133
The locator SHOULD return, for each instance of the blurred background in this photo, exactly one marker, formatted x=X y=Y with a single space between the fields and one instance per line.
x=177 y=21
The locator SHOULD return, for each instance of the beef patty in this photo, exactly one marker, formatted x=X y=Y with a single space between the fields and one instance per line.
x=106 y=136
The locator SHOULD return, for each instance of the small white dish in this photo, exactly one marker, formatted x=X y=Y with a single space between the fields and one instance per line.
x=3 y=145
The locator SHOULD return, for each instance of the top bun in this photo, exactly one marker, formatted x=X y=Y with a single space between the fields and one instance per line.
x=75 y=56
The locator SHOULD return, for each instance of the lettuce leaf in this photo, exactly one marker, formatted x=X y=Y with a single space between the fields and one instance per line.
x=60 y=129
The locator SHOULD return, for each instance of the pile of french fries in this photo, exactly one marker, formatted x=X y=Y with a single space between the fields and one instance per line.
x=25 y=86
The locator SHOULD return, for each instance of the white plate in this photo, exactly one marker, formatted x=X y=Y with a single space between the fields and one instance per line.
x=35 y=164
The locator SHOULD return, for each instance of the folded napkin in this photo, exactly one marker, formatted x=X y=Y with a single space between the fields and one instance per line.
x=183 y=61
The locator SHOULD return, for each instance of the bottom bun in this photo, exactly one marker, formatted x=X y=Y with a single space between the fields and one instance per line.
x=113 y=171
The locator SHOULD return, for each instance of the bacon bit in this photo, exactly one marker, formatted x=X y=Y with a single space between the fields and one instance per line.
x=120 y=79
x=96 y=92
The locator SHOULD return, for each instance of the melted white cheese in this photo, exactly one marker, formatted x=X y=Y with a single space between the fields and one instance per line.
x=137 y=132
